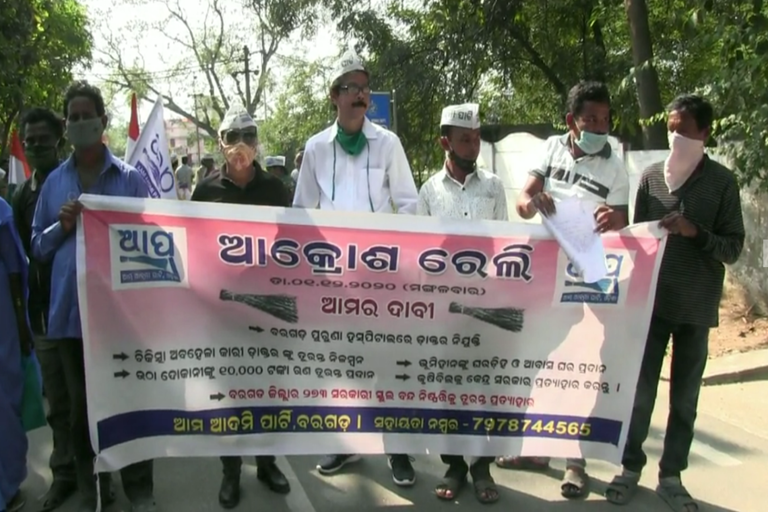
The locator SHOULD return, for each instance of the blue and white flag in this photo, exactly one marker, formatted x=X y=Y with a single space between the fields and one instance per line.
x=151 y=157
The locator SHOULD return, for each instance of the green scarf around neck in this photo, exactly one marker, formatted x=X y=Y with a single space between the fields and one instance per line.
x=352 y=144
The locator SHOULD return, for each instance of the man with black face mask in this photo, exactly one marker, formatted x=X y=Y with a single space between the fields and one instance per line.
x=42 y=132
x=462 y=191
x=92 y=169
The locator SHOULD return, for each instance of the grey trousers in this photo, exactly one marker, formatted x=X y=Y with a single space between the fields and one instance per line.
x=62 y=459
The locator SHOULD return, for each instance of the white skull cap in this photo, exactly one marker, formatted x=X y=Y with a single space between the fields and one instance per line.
x=348 y=63
x=463 y=116
x=236 y=118
x=275 y=161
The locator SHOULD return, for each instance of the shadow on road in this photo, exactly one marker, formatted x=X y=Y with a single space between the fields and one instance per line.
x=716 y=442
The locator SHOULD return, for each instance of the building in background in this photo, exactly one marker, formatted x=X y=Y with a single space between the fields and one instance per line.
x=185 y=139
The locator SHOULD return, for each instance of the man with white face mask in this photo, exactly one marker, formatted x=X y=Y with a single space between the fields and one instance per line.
x=697 y=200
x=578 y=164
x=243 y=181
x=356 y=166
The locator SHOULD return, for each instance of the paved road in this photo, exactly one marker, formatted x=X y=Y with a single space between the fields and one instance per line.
x=727 y=473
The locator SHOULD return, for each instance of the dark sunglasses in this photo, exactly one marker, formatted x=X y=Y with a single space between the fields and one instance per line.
x=235 y=136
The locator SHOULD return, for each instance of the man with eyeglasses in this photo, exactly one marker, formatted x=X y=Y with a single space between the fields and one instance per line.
x=356 y=166
x=243 y=181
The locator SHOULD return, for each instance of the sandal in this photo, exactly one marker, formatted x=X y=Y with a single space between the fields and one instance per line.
x=523 y=463
x=486 y=491
x=622 y=488
x=575 y=483
x=673 y=493
x=452 y=483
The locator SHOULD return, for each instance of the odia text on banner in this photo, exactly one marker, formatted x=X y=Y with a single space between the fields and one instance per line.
x=225 y=330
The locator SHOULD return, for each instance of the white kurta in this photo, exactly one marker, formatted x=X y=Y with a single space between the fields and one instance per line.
x=380 y=175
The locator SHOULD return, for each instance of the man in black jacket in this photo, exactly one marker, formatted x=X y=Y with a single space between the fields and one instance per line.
x=243 y=181
x=41 y=133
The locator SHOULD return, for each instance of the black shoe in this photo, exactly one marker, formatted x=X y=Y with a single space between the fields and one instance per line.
x=229 y=492
x=402 y=471
x=59 y=492
x=332 y=463
x=271 y=475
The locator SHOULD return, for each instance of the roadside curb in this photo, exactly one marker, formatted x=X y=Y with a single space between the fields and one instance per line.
x=729 y=369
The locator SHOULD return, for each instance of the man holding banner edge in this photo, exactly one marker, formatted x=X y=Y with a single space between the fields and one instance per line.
x=243 y=181
x=373 y=176
x=462 y=191
x=92 y=168
x=582 y=164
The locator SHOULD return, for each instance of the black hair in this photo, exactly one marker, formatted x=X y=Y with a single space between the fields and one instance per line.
x=700 y=109
x=82 y=89
x=587 y=91
x=445 y=131
x=185 y=160
x=42 y=115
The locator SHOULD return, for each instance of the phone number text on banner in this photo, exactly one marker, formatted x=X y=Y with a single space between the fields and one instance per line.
x=227 y=330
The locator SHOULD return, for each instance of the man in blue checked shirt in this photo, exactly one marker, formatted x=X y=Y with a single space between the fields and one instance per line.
x=90 y=169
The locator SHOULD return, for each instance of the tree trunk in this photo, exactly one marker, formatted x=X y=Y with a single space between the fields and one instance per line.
x=648 y=93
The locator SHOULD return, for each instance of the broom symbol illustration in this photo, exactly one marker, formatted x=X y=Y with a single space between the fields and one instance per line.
x=509 y=319
x=282 y=307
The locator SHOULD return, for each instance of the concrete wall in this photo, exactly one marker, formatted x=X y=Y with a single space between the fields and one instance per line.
x=511 y=159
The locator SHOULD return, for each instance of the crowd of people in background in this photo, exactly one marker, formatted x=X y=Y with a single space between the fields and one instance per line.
x=355 y=165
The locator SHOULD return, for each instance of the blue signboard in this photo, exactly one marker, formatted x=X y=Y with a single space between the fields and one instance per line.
x=379 y=109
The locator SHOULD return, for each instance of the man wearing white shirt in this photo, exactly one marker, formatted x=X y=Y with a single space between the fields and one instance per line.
x=578 y=164
x=356 y=166
x=462 y=191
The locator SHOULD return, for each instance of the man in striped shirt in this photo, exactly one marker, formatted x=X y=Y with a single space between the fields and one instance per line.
x=577 y=164
x=697 y=200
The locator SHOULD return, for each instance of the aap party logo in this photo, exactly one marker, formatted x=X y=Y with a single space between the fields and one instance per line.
x=610 y=290
x=148 y=257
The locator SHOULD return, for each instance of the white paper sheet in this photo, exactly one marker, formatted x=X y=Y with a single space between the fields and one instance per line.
x=573 y=225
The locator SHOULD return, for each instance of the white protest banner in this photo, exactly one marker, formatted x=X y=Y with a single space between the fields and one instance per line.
x=214 y=329
x=150 y=156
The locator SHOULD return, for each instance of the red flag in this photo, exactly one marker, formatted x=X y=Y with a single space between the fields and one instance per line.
x=19 y=170
x=133 y=127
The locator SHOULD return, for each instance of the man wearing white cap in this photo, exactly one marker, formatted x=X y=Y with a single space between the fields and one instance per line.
x=243 y=181
x=462 y=191
x=276 y=167
x=356 y=166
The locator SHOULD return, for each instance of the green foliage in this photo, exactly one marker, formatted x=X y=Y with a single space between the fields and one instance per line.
x=210 y=71
x=739 y=85
x=41 y=41
x=301 y=110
